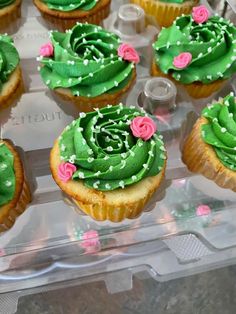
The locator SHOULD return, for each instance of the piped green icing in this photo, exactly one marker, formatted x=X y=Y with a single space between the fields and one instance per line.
x=106 y=153
x=5 y=3
x=7 y=175
x=9 y=58
x=71 y=5
x=220 y=131
x=212 y=45
x=86 y=61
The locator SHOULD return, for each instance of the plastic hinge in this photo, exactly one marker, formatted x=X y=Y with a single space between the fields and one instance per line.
x=119 y=281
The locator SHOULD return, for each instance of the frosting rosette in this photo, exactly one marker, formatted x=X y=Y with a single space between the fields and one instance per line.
x=70 y=5
x=211 y=44
x=9 y=58
x=220 y=131
x=106 y=153
x=7 y=175
x=5 y=3
x=86 y=62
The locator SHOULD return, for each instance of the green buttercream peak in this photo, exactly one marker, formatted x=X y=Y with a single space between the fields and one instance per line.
x=220 y=131
x=71 y=5
x=105 y=151
x=211 y=44
x=5 y=3
x=9 y=58
x=7 y=175
x=86 y=62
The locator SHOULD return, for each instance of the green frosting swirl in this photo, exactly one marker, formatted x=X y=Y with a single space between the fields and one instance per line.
x=212 y=45
x=71 y=5
x=5 y=3
x=86 y=61
x=7 y=175
x=9 y=58
x=220 y=132
x=106 y=153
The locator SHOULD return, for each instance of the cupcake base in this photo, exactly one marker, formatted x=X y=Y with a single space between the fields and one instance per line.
x=201 y=158
x=86 y=104
x=66 y=20
x=114 y=205
x=9 y=14
x=196 y=90
x=165 y=13
x=12 y=90
x=22 y=196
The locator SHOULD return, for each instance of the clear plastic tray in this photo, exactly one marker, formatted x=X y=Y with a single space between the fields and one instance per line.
x=168 y=240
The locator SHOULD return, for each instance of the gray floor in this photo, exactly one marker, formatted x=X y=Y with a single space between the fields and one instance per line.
x=209 y=293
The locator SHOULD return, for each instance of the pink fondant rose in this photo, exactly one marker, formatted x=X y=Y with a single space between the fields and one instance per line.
x=182 y=60
x=46 y=50
x=200 y=14
x=203 y=210
x=66 y=171
x=128 y=53
x=143 y=127
x=90 y=241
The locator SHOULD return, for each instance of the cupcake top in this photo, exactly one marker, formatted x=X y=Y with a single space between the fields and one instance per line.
x=88 y=60
x=111 y=148
x=71 y=5
x=220 y=131
x=197 y=47
x=7 y=175
x=5 y=3
x=9 y=58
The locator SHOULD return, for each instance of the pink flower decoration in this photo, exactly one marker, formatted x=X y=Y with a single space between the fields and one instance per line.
x=143 y=127
x=203 y=210
x=128 y=53
x=90 y=241
x=200 y=14
x=66 y=171
x=182 y=60
x=47 y=50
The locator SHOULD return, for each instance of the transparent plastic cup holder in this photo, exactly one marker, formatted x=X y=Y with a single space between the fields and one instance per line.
x=159 y=96
x=130 y=20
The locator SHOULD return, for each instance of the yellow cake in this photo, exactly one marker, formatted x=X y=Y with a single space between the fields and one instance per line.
x=204 y=150
x=104 y=197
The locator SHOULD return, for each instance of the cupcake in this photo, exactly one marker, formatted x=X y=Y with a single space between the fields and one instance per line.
x=11 y=84
x=166 y=11
x=210 y=149
x=110 y=162
x=14 y=191
x=10 y=10
x=197 y=51
x=65 y=14
x=88 y=66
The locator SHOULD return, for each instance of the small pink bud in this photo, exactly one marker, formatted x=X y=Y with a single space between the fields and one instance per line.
x=47 y=50
x=128 y=53
x=203 y=210
x=182 y=60
x=66 y=171
x=143 y=127
x=200 y=14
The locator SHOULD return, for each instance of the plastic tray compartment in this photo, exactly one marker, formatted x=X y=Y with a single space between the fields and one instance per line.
x=44 y=247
